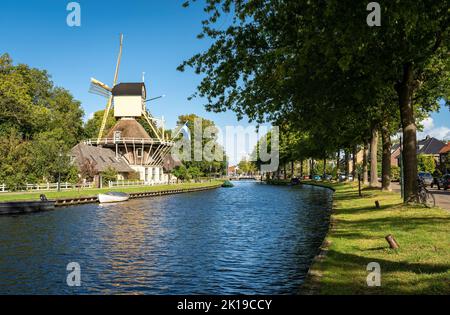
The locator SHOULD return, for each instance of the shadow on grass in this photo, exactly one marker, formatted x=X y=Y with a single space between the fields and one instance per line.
x=352 y=261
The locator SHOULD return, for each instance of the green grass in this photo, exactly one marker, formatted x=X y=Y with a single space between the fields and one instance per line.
x=25 y=196
x=420 y=266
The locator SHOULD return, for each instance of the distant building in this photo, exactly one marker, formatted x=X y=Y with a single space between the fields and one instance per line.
x=444 y=157
x=233 y=170
x=430 y=146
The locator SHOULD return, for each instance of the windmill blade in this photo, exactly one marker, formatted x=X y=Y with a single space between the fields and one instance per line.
x=95 y=89
x=104 y=86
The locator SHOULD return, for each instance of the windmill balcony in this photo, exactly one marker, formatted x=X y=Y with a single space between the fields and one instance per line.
x=136 y=141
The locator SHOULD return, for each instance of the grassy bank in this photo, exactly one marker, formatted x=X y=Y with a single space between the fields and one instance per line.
x=357 y=237
x=22 y=196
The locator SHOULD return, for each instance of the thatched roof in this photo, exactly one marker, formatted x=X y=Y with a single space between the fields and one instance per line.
x=101 y=158
x=170 y=162
x=130 y=129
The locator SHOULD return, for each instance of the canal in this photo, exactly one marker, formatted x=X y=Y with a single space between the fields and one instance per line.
x=250 y=239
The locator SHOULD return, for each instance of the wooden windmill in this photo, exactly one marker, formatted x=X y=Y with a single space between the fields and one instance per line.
x=146 y=154
x=122 y=103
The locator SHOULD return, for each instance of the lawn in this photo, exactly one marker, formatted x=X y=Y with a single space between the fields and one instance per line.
x=21 y=196
x=420 y=266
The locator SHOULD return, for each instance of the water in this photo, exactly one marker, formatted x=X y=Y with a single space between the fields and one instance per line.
x=250 y=239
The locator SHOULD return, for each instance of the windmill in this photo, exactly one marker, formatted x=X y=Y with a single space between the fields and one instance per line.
x=99 y=88
x=129 y=139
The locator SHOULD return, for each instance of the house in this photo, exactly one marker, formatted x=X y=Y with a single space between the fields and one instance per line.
x=395 y=155
x=98 y=160
x=444 y=158
x=430 y=146
x=233 y=170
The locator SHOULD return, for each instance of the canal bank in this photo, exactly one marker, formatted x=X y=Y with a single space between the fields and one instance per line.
x=356 y=238
x=92 y=193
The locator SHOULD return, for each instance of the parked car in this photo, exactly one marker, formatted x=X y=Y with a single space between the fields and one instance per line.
x=342 y=177
x=317 y=178
x=427 y=178
x=445 y=182
x=328 y=177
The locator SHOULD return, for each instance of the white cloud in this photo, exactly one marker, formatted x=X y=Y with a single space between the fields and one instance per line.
x=440 y=133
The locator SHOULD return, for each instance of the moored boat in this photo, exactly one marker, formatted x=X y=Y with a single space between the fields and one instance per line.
x=112 y=197
x=23 y=207
x=227 y=184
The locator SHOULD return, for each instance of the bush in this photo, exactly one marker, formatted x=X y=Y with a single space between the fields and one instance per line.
x=395 y=173
x=110 y=174
x=426 y=163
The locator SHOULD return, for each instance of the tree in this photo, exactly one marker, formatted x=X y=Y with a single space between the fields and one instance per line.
x=426 y=163
x=109 y=174
x=92 y=126
x=294 y=59
x=38 y=124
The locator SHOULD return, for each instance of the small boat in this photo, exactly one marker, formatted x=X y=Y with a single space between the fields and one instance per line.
x=227 y=184
x=22 y=207
x=112 y=197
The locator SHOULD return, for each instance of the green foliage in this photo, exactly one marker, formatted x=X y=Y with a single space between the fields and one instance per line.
x=395 y=173
x=194 y=172
x=92 y=126
x=247 y=167
x=181 y=173
x=38 y=124
x=214 y=164
x=426 y=163
x=109 y=174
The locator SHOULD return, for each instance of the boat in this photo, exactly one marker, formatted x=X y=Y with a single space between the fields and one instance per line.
x=227 y=184
x=22 y=207
x=112 y=197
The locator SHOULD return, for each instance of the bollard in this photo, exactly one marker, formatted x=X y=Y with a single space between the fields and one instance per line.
x=392 y=242
x=377 y=204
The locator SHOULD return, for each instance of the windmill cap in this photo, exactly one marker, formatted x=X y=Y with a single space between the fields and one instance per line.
x=129 y=89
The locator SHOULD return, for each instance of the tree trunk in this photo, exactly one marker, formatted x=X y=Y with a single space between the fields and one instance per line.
x=355 y=152
x=338 y=161
x=284 y=172
x=301 y=169
x=365 y=168
x=292 y=169
x=386 y=160
x=347 y=164
x=324 y=167
x=373 y=159
x=405 y=90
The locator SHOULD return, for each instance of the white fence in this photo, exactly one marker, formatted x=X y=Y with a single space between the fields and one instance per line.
x=49 y=187
x=126 y=183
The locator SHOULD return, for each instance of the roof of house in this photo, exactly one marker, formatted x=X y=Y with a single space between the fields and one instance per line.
x=170 y=162
x=429 y=145
x=129 y=128
x=445 y=149
x=101 y=158
x=129 y=89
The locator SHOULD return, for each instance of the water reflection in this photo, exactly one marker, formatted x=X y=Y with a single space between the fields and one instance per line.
x=250 y=239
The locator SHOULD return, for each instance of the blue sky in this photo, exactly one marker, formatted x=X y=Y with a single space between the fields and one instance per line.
x=159 y=35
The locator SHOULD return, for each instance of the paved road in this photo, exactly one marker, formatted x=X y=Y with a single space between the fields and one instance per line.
x=442 y=196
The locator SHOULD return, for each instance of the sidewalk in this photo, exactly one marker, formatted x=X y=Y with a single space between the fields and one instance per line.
x=442 y=196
